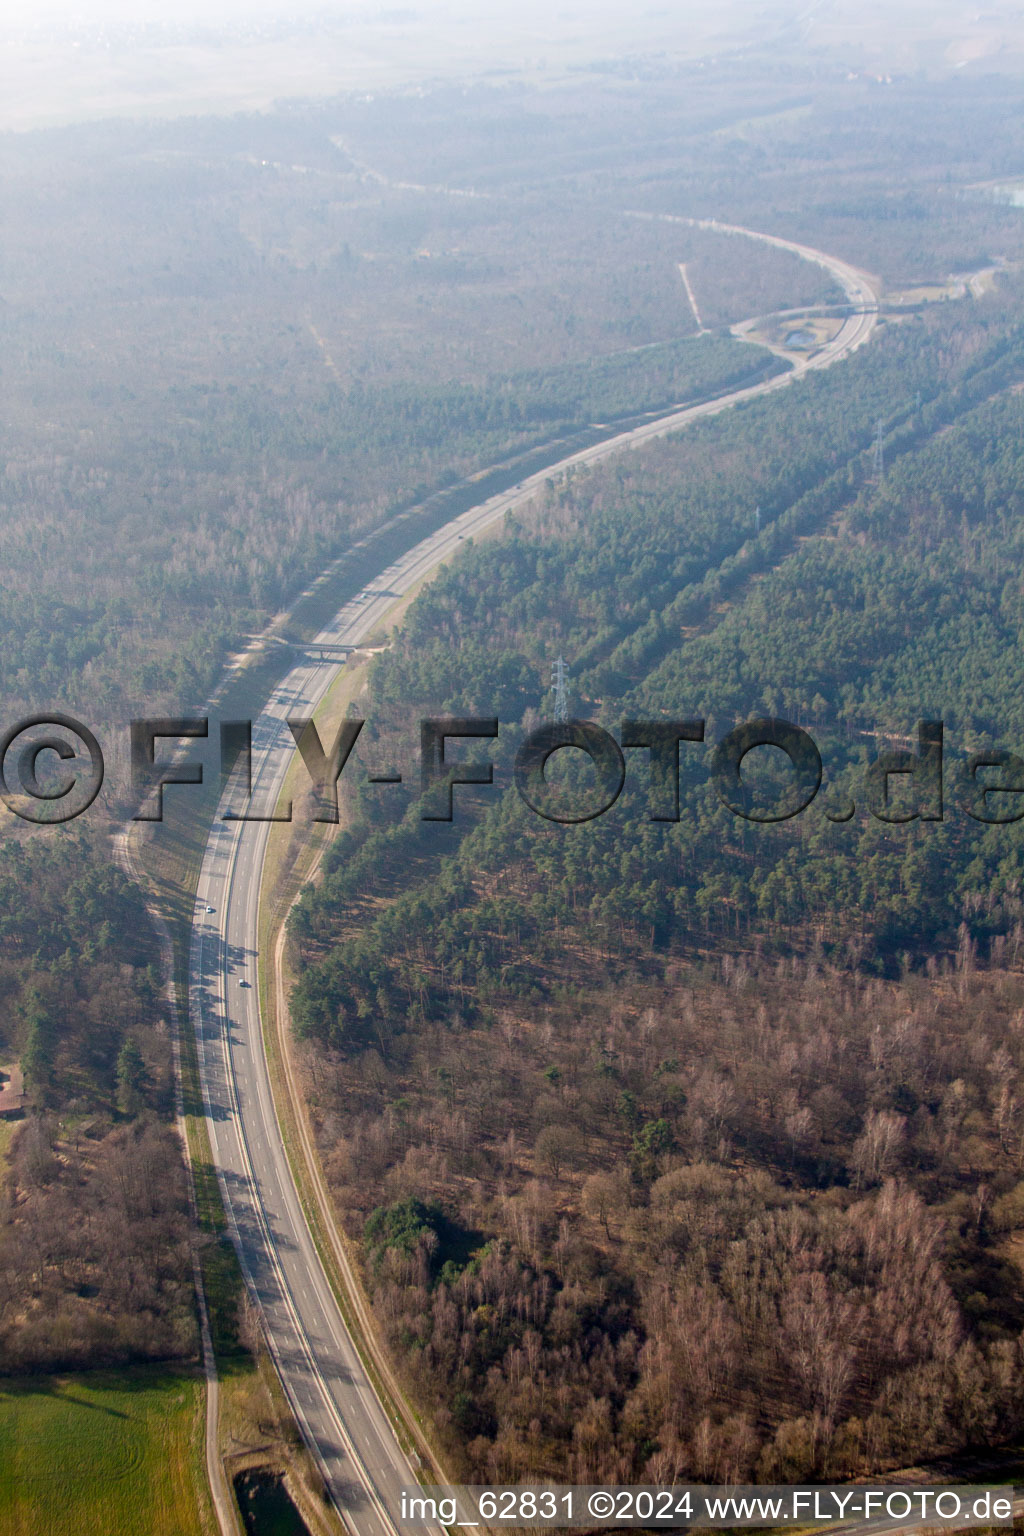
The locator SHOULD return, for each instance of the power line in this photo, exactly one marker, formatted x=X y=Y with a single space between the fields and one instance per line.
x=878 y=457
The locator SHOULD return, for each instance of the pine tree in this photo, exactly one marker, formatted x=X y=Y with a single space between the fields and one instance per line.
x=132 y=1078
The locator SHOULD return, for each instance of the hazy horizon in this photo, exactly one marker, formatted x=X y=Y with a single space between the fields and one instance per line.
x=69 y=62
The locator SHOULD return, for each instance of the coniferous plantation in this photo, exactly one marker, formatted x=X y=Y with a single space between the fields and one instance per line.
x=665 y=1150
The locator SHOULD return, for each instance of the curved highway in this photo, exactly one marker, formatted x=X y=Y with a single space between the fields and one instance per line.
x=341 y=1417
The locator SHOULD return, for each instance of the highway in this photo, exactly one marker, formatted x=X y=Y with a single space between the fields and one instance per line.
x=343 y=1421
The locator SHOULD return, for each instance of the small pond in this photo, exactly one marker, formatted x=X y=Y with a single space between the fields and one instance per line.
x=267 y=1509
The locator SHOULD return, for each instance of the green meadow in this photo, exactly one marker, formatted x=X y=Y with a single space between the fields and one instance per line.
x=103 y=1454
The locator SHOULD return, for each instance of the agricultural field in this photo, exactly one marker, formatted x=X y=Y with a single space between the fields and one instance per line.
x=104 y=1452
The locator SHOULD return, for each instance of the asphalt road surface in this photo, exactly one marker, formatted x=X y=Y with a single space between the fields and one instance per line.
x=341 y=1417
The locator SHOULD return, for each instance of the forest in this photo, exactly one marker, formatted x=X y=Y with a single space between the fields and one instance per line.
x=624 y=1112
x=675 y=606
x=750 y=1223
x=95 y=1258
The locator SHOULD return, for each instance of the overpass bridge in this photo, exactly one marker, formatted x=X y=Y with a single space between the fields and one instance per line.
x=327 y=650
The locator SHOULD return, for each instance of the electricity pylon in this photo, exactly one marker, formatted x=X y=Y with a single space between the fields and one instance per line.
x=560 y=682
x=878 y=457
